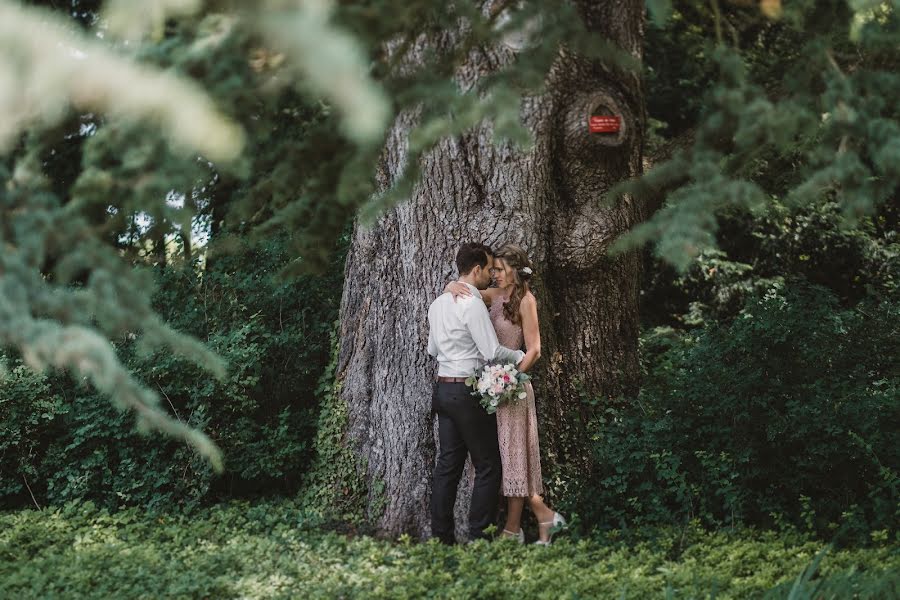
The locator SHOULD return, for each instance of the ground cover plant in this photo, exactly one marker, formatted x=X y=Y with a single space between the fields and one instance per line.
x=276 y=550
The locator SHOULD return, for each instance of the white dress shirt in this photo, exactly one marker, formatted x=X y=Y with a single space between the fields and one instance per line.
x=461 y=336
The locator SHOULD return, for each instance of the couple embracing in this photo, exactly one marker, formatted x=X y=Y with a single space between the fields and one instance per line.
x=469 y=325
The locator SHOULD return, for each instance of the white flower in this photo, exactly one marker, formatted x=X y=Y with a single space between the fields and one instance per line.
x=527 y=270
x=523 y=395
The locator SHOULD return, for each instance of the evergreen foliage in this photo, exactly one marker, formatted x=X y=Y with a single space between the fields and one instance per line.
x=797 y=105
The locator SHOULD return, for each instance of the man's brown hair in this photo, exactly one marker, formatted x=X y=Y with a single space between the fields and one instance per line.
x=470 y=255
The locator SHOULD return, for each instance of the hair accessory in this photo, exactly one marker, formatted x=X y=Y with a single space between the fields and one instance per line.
x=527 y=270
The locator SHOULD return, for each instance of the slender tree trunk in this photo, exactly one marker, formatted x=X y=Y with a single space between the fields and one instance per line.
x=548 y=200
x=158 y=236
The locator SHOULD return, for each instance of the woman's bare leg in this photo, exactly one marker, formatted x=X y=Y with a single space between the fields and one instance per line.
x=543 y=514
x=514 y=508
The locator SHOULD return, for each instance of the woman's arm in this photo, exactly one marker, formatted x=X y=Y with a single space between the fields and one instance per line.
x=458 y=289
x=462 y=290
x=531 y=331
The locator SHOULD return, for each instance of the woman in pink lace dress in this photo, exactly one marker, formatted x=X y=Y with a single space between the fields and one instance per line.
x=513 y=310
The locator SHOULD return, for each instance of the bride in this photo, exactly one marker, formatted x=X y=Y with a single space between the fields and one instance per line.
x=513 y=311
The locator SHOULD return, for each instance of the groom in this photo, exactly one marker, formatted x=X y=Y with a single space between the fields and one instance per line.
x=462 y=338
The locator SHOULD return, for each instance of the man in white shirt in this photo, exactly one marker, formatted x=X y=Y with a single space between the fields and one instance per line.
x=462 y=339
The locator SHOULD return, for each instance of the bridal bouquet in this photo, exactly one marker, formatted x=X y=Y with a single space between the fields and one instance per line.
x=498 y=384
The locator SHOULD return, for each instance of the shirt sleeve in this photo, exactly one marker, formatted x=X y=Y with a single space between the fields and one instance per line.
x=506 y=355
x=475 y=316
x=432 y=344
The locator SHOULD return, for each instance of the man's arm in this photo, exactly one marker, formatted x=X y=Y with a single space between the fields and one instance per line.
x=478 y=321
x=432 y=343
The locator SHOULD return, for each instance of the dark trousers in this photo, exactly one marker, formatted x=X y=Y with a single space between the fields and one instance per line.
x=464 y=428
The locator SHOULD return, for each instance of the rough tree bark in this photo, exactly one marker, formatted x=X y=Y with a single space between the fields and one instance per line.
x=547 y=200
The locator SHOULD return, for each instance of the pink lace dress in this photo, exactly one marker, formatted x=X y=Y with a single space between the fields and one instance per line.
x=517 y=422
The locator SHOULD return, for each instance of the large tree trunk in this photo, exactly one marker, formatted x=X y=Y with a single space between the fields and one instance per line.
x=546 y=199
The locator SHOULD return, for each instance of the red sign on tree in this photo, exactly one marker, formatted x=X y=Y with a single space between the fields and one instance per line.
x=604 y=124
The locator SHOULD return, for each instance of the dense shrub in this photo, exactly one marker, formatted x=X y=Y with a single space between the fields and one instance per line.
x=813 y=243
x=272 y=551
x=28 y=408
x=787 y=413
x=68 y=443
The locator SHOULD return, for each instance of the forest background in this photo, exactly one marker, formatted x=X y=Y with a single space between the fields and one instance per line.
x=767 y=408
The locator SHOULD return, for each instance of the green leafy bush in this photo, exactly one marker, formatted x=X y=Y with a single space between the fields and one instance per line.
x=69 y=443
x=29 y=405
x=757 y=251
x=786 y=414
